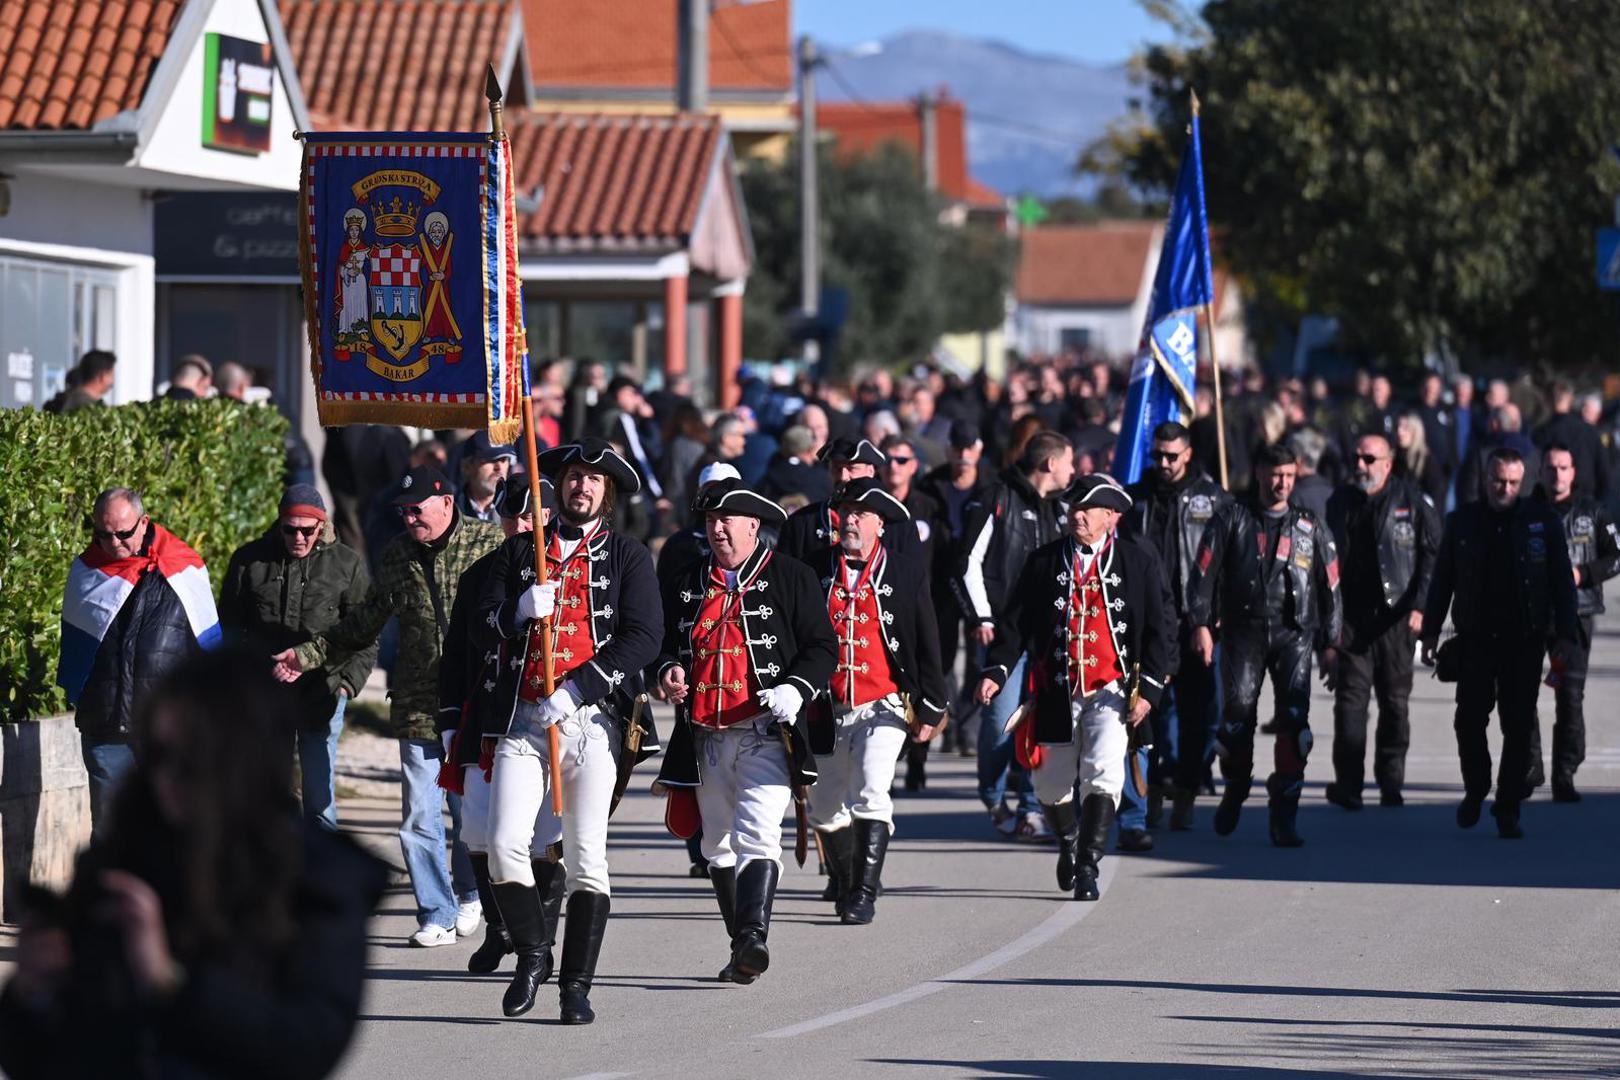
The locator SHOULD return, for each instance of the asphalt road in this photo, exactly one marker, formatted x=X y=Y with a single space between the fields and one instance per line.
x=1392 y=944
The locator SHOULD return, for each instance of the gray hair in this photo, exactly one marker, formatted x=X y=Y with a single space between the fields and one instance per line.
x=231 y=376
x=1507 y=417
x=797 y=440
x=118 y=494
x=723 y=425
x=1308 y=447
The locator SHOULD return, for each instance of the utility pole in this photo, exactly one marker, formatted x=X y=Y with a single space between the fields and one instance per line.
x=928 y=106
x=692 y=57
x=809 y=207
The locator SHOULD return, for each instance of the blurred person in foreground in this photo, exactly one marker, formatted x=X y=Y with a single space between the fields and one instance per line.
x=209 y=933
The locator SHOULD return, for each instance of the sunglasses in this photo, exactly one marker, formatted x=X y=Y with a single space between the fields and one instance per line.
x=410 y=512
x=1166 y=455
x=120 y=534
x=1368 y=459
x=897 y=460
x=300 y=530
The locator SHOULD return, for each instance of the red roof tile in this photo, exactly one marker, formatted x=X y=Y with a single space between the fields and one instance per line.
x=612 y=181
x=984 y=196
x=397 y=65
x=630 y=45
x=861 y=127
x=70 y=64
x=1084 y=264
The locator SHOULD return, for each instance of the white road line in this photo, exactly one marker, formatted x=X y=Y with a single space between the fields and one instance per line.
x=1065 y=917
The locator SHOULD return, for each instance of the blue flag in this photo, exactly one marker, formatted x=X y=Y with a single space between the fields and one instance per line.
x=1161 y=386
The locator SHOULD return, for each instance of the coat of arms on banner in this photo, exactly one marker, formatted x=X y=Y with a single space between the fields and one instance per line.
x=408 y=236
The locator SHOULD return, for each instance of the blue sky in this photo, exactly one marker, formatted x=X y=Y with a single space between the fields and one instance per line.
x=1097 y=31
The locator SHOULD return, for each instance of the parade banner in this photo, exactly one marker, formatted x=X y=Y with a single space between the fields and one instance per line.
x=1161 y=386
x=411 y=286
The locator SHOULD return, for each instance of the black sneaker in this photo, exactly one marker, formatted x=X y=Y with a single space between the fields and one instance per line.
x=1338 y=797
x=1468 y=811
x=1134 y=840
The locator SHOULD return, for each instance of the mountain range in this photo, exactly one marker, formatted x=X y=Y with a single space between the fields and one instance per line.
x=1029 y=115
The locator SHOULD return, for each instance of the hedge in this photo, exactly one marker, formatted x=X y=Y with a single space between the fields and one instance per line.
x=209 y=471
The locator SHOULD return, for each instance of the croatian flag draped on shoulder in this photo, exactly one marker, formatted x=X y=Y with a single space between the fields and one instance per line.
x=1162 y=379
x=411 y=285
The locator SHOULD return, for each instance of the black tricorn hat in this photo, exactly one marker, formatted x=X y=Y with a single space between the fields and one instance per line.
x=868 y=494
x=594 y=453
x=1097 y=489
x=732 y=497
x=858 y=451
x=513 y=500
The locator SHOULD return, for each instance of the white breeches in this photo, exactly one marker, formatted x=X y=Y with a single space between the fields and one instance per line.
x=855 y=778
x=745 y=791
x=521 y=821
x=1094 y=754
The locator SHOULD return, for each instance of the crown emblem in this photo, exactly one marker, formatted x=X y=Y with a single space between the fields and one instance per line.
x=396 y=218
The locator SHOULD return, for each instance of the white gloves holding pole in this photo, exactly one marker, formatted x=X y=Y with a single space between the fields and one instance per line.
x=783 y=702
x=538 y=601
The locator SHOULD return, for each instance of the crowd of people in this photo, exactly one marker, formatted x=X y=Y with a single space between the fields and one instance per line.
x=832 y=578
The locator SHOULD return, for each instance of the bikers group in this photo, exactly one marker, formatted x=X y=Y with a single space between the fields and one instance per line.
x=1120 y=639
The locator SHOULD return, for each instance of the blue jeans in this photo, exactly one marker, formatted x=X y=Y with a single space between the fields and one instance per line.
x=422 y=835
x=317 y=762
x=107 y=762
x=999 y=771
x=1133 y=800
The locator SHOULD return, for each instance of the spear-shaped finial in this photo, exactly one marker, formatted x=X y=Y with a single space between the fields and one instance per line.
x=492 y=91
x=1192 y=95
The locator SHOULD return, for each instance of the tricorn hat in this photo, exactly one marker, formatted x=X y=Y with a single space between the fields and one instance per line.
x=857 y=451
x=1097 y=489
x=594 y=453
x=868 y=494
x=732 y=497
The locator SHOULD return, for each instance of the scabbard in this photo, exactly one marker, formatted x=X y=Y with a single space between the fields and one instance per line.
x=801 y=842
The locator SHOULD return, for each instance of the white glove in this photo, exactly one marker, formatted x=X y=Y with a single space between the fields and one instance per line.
x=538 y=602
x=559 y=706
x=783 y=702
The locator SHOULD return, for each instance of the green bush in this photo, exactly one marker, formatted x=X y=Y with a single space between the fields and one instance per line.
x=208 y=471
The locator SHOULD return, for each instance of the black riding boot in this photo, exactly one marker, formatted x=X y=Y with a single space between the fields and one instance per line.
x=582 y=943
x=487 y=957
x=871 y=846
x=756 y=891
x=1226 y=814
x=1284 y=806
x=1065 y=826
x=525 y=923
x=725 y=895
x=1096 y=821
x=839 y=847
x=550 y=879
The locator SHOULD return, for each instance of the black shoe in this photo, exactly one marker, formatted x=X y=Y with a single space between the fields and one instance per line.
x=839 y=848
x=756 y=891
x=1507 y=820
x=698 y=870
x=1563 y=790
x=871 y=846
x=1096 y=821
x=1065 y=827
x=1342 y=797
x=1134 y=840
x=1283 y=807
x=725 y=894
x=487 y=957
x=1227 y=813
x=1468 y=810
x=525 y=921
x=582 y=944
x=1181 y=809
x=1391 y=797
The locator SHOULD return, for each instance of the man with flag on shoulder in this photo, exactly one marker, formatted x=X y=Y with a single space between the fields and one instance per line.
x=747 y=644
x=600 y=605
x=1093 y=613
x=137 y=604
x=888 y=669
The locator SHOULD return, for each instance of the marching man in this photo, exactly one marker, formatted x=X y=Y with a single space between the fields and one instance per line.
x=1093 y=612
x=747 y=645
x=600 y=604
x=888 y=652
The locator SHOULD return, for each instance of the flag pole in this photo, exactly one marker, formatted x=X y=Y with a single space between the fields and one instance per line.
x=1214 y=359
x=497 y=134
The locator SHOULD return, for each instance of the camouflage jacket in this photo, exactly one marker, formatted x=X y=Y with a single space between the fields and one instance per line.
x=418 y=584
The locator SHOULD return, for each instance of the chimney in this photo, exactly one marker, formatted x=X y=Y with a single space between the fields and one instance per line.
x=928 y=108
x=692 y=56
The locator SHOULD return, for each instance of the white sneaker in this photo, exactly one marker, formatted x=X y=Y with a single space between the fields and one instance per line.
x=429 y=936
x=468 y=918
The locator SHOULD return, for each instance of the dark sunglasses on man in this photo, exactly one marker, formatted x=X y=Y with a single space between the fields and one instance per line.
x=305 y=531
x=1368 y=459
x=1165 y=455
x=897 y=459
x=121 y=534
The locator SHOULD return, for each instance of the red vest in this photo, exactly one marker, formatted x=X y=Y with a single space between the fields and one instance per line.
x=571 y=641
x=725 y=690
x=1092 y=662
x=863 y=673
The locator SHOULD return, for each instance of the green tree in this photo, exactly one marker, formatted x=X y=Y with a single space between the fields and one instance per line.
x=909 y=276
x=1429 y=171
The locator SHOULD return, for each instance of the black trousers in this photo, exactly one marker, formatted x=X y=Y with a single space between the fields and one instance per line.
x=1183 y=721
x=1569 y=717
x=1249 y=653
x=1501 y=674
x=1373 y=666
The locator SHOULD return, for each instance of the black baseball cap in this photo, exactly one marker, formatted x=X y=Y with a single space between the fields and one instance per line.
x=420 y=484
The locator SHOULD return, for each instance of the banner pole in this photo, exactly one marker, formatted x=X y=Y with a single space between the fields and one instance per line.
x=1214 y=358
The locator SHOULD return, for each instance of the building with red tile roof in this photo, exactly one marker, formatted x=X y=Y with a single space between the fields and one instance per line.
x=933 y=127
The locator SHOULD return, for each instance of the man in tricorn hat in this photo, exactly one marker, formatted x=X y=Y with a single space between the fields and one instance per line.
x=888 y=667
x=600 y=606
x=815 y=527
x=747 y=644
x=1094 y=613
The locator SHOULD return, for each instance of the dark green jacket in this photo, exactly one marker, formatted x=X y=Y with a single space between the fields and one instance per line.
x=416 y=582
x=271 y=602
